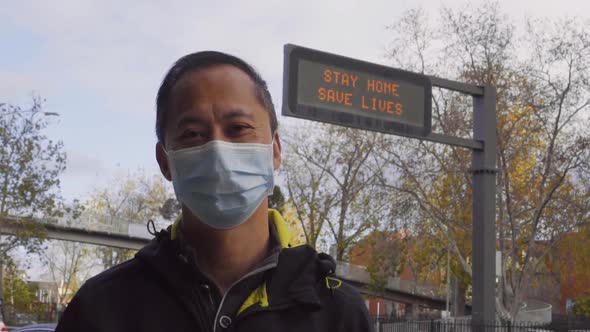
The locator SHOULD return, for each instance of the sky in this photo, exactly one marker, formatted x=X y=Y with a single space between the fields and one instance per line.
x=99 y=63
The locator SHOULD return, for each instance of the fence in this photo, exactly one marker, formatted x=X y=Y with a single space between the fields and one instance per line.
x=383 y=324
x=35 y=313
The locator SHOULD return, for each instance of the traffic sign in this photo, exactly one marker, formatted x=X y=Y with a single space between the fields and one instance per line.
x=334 y=89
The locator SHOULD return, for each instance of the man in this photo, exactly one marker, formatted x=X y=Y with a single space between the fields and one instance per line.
x=226 y=264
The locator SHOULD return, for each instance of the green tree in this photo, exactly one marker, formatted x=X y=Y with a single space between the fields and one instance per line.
x=30 y=165
x=18 y=294
x=582 y=307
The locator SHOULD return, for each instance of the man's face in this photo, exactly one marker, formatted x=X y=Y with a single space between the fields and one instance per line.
x=215 y=103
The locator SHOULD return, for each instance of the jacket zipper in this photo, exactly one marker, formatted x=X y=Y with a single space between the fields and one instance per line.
x=209 y=293
x=258 y=270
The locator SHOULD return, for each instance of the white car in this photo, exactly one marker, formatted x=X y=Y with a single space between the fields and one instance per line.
x=3 y=326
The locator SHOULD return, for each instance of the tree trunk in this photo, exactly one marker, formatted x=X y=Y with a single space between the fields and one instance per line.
x=458 y=298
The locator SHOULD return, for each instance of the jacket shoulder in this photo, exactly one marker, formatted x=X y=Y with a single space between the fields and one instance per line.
x=346 y=304
x=99 y=292
x=342 y=306
x=342 y=300
x=122 y=273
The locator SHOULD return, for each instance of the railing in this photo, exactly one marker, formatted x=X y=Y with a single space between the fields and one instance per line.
x=360 y=273
x=535 y=311
x=386 y=324
x=39 y=312
x=100 y=224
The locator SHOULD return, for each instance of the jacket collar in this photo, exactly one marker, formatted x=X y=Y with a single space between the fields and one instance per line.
x=279 y=237
x=295 y=279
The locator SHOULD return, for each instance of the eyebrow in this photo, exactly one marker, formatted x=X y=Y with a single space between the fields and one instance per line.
x=237 y=113
x=228 y=115
x=188 y=119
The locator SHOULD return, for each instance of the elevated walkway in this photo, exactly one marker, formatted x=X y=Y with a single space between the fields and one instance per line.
x=135 y=236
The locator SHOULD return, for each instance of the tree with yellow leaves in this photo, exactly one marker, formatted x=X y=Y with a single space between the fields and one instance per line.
x=542 y=79
x=294 y=224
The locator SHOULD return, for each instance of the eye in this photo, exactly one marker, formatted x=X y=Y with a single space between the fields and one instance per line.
x=191 y=134
x=239 y=128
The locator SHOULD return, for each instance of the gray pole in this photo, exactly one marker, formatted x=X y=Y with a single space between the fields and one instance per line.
x=484 y=208
x=2 y=311
x=448 y=280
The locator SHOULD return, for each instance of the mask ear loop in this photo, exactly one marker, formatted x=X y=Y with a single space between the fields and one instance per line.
x=272 y=144
x=167 y=153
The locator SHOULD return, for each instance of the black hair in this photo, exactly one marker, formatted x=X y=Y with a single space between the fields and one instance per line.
x=206 y=59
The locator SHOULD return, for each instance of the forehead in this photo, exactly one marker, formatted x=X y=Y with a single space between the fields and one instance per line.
x=216 y=84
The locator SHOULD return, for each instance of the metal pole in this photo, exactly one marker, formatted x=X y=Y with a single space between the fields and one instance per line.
x=2 y=312
x=378 y=307
x=484 y=208
x=448 y=280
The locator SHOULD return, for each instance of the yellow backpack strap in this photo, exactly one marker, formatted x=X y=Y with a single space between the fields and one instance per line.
x=281 y=226
x=258 y=296
x=174 y=229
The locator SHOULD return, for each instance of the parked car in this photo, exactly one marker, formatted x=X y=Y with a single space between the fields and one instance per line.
x=37 y=328
x=3 y=326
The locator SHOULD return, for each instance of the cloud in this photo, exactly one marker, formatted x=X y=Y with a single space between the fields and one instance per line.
x=14 y=84
x=123 y=52
x=92 y=59
x=79 y=164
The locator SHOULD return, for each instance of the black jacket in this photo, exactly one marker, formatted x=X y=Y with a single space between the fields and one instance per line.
x=161 y=290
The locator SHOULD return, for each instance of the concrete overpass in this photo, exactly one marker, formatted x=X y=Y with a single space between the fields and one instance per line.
x=395 y=290
x=10 y=226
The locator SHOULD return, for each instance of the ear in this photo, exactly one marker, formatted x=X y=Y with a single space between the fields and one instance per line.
x=276 y=151
x=162 y=159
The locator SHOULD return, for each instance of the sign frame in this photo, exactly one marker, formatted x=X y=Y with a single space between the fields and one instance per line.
x=291 y=107
x=483 y=167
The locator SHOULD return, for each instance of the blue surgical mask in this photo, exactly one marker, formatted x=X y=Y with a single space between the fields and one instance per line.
x=222 y=183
